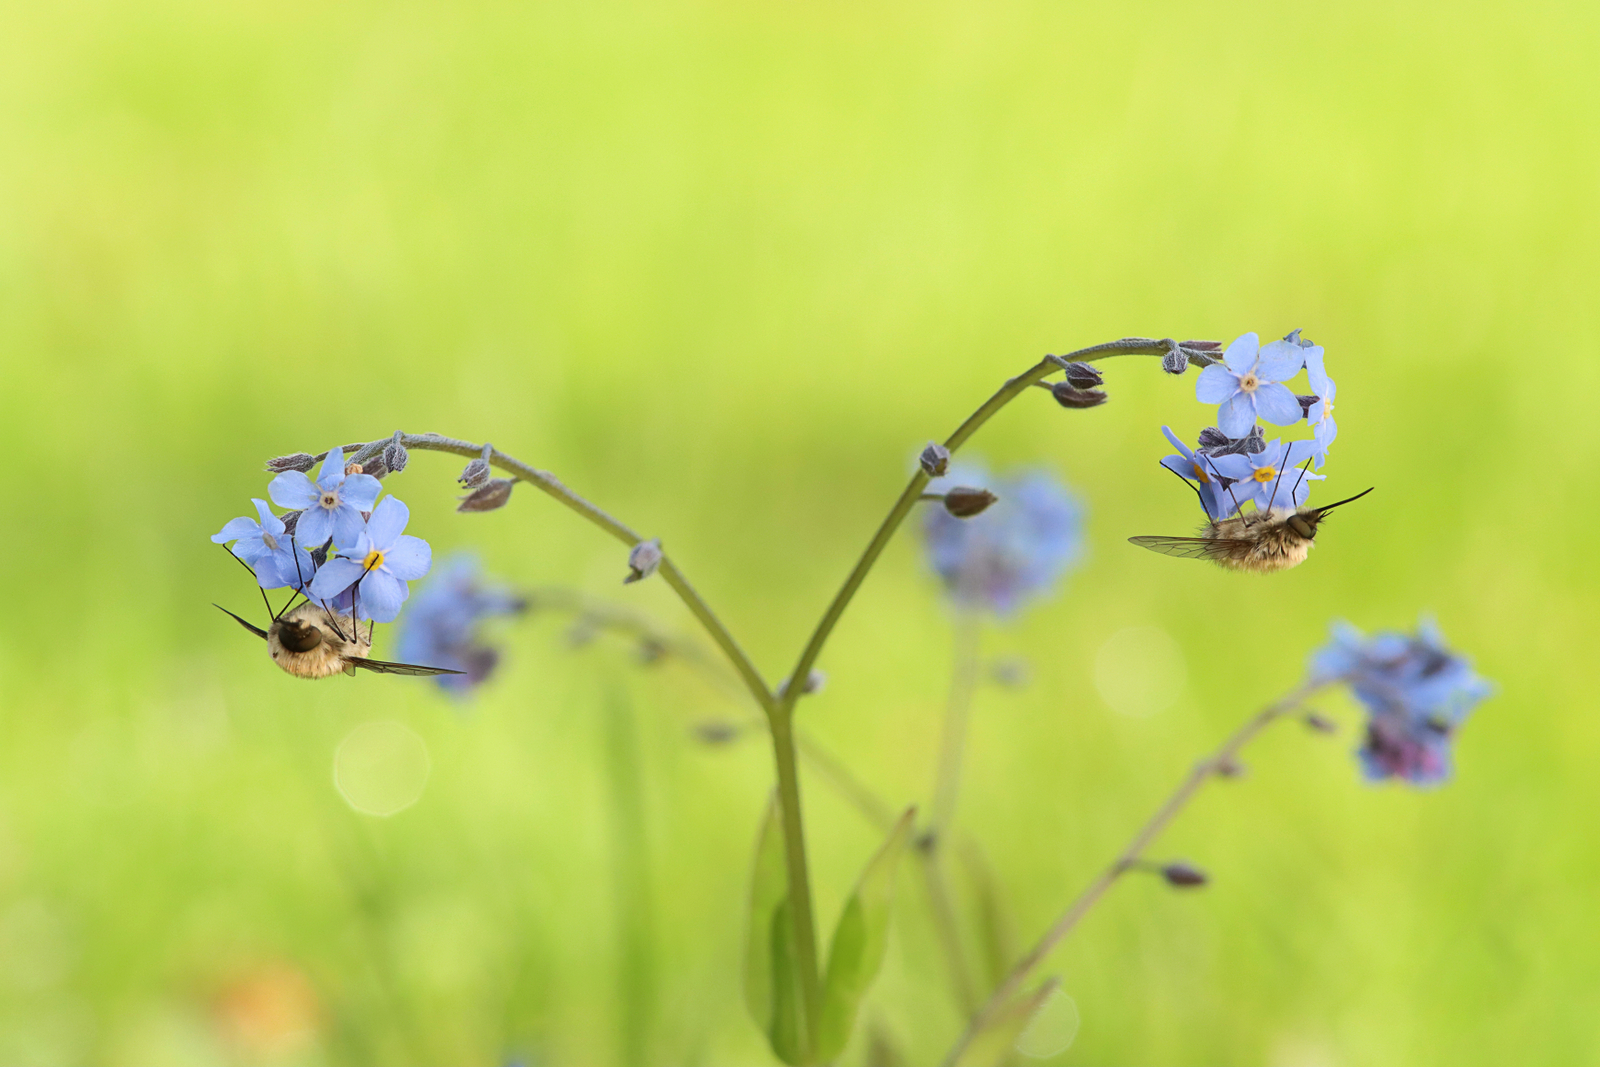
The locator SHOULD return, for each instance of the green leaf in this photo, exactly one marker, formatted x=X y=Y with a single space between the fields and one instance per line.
x=859 y=942
x=996 y=943
x=771 y=978
x=995 y=1043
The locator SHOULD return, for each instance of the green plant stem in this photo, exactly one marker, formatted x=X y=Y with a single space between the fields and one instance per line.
x=947 y=784
x=780 y=714
x=1129 y=859
x=1014 y=388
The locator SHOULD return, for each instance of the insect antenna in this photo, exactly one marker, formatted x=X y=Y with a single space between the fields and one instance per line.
x=1197 y=494
x=1341 y=503
x=252 y=571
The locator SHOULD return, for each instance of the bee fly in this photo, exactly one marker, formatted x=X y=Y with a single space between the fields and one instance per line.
x=309 y=642
x=1262 y=541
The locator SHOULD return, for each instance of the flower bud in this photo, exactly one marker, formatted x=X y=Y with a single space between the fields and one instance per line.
x=1305 y=403
x=1213 y=442
x=1183 y=876
x=474 y=474
x=1083 y=375
x=1294 y=338
x=1201 y=346
x=643 y=560
x=1068 y=397
x=294 y=461
x=964 y=502
x=290 y=520
x=395 y=454
x=374 y=466
x=935 y=459
x=1176 y=361
x=490 y=495
x=815 y=682
x=715 y=732
x=1228 y=767
x=1012 y=672
x=1320 y=723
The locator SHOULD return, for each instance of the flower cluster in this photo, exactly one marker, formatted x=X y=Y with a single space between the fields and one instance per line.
x=372 y=558
x=442 y=625
x=1235 y=464
x=1416 y=692
x=1011 y=550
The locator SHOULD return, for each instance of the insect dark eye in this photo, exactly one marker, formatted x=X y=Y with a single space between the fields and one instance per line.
x=1302 y=527
x=300 y=638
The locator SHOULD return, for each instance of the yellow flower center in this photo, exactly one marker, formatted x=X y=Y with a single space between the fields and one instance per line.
x=1205 y=479
x=373 y=561
x=1265 y=474
x=1249 y=382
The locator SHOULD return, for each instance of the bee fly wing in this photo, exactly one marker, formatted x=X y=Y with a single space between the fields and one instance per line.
x=378 y=666
x=258 y=631
x=1213 y=548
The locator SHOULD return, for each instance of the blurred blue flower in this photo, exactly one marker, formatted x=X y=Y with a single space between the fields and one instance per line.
x=1014 y=549
x=1320 y=415
x=441 y=626
x=1196 y=469
x=331 y=506
x=1416 y=692
x=382 y=559
x=1246 y=384
x=1271 y=478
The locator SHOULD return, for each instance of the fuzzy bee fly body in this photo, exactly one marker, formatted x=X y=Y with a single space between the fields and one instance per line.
x=311 y=642
x=1262 y=541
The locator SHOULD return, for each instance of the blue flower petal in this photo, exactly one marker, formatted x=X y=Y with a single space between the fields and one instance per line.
x=1241 y=354
x=332 y=472
x=334 y=577
x=291 y=489
x=1238 y=413
x=388 y=522
x=1315 y=374
x=360 y=490
x=1215 y=384
x=379 y=597
x=315 y=527
x=408 y=558
x=235 y=529
x=269 y=522
x=1280 y=361
x=1276 y=404
x=1182 y=466
x=348 y=526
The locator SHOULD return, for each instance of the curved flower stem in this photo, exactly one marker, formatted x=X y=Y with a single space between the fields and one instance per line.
x=1127 y=346
x=1129 y=859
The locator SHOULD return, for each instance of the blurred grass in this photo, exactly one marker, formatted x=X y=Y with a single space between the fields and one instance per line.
x=724 y=267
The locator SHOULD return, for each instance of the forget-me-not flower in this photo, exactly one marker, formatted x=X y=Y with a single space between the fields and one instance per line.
x=1271 y=477
x=1416 y=693
x=264 y=545
x=1247 y=384
x=382 y=559
x=441 y=626
x=1014 y=549
x=1196 y=469
x=331 y=506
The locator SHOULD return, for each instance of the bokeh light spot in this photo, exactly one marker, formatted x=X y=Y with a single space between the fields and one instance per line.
x=1140 y=671
x=1053 y=1028
x=381 y=768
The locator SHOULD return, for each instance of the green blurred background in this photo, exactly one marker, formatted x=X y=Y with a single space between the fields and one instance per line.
x=723 y=266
